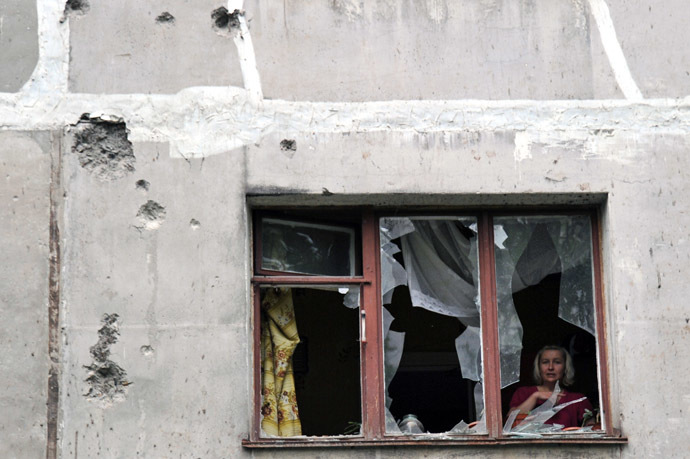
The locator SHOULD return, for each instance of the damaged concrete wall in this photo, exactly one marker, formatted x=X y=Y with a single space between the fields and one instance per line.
x=134 y=47
x=125 y=301
x=162 y=259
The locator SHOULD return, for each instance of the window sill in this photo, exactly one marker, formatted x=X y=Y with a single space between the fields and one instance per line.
x=475 y=440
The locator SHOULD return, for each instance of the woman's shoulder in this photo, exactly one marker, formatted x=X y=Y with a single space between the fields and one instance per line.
x=526 y=390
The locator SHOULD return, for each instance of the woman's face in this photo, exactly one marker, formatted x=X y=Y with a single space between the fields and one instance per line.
x=551 y=366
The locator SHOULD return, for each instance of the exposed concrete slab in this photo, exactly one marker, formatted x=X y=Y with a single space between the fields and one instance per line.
x=352 y=51
x=18 y=43
x=654 y=37
x=177 y=287
x=25 y=162
x=122 y=48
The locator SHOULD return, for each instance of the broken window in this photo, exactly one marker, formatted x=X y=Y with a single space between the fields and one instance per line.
x=384 y=327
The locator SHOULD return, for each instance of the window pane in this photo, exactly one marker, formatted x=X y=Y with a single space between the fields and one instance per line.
x=545 y=294
x=307 y=248
x=432 y=337
x=310 y=361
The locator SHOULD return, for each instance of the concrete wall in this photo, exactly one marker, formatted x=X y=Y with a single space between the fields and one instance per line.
x=18 y=43
x=485 y=102
x=25 y=161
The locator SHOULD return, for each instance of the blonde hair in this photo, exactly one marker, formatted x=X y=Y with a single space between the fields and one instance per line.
x=568 y=372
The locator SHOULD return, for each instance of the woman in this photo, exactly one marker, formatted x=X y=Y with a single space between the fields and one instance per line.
x=552 y=364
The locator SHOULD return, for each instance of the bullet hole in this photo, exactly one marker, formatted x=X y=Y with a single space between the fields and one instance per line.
x=224 y=22
x=142 y=185
x=151 y=215
x=75 y=8
x=146 y=351
x=103 y=147
x=288 y=145
x=234 y=19
x=165 y=18
x=194 y=224
x=107 y=380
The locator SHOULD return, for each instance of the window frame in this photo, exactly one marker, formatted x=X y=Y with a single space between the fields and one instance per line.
x=371 y=344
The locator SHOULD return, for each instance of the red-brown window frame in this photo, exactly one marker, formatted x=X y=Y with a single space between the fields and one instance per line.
x=371 y=345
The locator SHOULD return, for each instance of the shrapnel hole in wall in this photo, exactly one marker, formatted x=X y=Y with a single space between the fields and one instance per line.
x=288 y=145
x=75 y=8
x=106 y=379
x=103 y=147
x=165 y=18
x=224 y=22
x=151 y=215
x=142 y=185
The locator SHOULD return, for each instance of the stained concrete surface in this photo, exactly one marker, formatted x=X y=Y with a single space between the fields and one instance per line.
x=120 y=47
x=25 y=165
x=432 y=49
x=18 y=43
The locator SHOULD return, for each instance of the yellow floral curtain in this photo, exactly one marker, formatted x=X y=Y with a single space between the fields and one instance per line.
x=279 y=337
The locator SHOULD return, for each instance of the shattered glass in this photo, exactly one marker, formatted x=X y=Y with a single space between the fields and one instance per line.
x=572 y=237
x=509 y=326
x=518 y=268
x=468 y=346
x=440 y=256
x=351 y=297
x=535 y=422
x=393 y=344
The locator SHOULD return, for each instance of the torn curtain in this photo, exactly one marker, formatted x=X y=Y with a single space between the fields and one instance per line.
x=279 y=338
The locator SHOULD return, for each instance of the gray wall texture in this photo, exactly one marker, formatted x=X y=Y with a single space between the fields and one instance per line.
x=130 y=141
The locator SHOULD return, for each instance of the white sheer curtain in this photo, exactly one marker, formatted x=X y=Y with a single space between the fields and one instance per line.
x=441 y=272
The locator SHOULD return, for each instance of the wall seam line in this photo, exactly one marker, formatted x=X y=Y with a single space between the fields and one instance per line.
x=54 y=302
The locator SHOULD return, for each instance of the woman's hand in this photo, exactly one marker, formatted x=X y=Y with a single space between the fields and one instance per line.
x=544 y=395
x=529 y=404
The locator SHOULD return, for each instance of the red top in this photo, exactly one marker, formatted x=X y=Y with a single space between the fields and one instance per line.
x=570 y=416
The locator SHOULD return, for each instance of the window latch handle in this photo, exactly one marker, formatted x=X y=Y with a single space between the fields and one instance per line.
x=364 y=326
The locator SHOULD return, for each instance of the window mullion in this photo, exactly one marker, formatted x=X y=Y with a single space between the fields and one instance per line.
x=256 y=351
x=373 y=418
x=600 y=326
x=489 y=324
